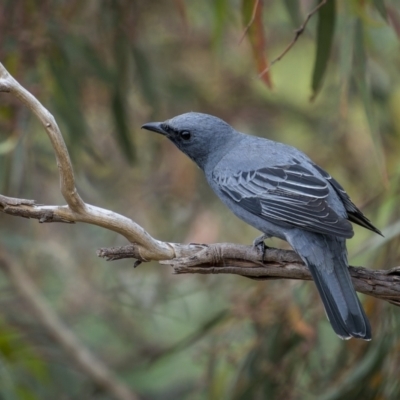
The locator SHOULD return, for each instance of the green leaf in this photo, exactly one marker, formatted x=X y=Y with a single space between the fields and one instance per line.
x=66 y=98
x=325 y=31
x=94 y=61
x=346 y=34
x=220 y=13
x=120 y=120
x=380 y=6
x=252 y=20
x=293 y=9
x=145 y=77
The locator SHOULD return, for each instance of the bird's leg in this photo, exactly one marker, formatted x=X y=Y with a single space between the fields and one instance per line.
x=258 y=243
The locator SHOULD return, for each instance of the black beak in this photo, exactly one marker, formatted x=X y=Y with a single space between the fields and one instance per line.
x=155 y=127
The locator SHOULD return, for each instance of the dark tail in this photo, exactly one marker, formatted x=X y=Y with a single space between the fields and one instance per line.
x=326 y=257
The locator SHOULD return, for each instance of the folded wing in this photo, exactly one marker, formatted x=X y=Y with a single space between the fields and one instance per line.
x=288 y=194
x=354 y=214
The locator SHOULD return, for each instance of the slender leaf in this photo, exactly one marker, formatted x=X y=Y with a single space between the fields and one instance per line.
x=94 y=61
x=220 y=13
x=380 y=6
x=346 y=41
x=66 y=97
x=252 y=20
x=122 y=55
x=346 y=33
x=293 y=9
x=325 y=32
x=120 y=120
x=145 y=77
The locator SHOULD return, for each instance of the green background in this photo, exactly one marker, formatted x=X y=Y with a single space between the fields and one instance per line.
x=103 y=68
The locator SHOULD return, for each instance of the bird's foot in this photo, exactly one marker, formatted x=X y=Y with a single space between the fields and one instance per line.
x=259 y=244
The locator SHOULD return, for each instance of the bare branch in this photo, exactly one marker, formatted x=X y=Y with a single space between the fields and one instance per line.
x=11 y=201
x=67 y=182
x=297 y=33
x=131 y=251
x=147 y=248
x=78 y=353
x=247 y=261
x=76 y=210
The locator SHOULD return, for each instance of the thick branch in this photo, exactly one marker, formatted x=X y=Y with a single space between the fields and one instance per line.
x=247 y=261
x=76 y=210
x=67 y=182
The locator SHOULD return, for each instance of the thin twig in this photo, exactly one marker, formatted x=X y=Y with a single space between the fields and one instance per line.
x=253 y=17
x=297 y=34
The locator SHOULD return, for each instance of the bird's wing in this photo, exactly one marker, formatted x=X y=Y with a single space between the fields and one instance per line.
x=289 y=194
x=354 y=213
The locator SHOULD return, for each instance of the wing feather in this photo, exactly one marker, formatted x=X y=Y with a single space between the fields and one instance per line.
x=284 y=195
x=354 y=214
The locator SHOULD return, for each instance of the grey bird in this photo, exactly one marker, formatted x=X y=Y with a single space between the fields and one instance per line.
x=281 y=192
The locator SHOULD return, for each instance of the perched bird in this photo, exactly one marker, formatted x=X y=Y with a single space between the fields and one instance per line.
x=281 y=192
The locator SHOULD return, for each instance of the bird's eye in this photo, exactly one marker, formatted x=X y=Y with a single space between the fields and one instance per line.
x=185 y=135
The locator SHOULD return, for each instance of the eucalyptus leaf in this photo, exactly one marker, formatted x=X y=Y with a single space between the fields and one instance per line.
x=325 y=32
x=380 y=6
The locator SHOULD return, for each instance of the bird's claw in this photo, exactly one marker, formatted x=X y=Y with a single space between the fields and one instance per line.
x=260 y=245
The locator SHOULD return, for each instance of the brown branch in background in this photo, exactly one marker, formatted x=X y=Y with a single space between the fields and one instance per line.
x=253 y=17
x=297 y=33
x=80 y=355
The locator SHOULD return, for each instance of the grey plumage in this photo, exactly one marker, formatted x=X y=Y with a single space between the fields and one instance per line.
x=280 y=191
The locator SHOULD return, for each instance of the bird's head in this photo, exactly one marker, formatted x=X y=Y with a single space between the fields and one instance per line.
x=199 y=136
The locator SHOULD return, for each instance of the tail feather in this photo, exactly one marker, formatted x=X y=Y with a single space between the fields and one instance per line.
x=342 y=305
x=326 y=258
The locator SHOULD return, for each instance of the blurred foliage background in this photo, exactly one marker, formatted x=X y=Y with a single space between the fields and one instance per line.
x=106 y=67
